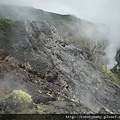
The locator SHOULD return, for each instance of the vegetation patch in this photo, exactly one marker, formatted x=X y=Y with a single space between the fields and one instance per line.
x=67 y=18
x=110 y=75
x=4 y=23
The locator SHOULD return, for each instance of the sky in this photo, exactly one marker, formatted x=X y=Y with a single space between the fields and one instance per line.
x=101 y=11
x=98 y=11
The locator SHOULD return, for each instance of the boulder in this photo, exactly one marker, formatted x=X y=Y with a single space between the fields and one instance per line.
x=17 y=102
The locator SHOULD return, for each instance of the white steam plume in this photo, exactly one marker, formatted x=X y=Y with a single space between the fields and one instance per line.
x=114 y=45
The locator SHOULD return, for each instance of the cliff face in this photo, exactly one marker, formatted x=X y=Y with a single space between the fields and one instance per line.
x=37 y=59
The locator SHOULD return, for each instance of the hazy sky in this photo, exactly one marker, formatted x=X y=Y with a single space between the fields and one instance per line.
x=103 y=11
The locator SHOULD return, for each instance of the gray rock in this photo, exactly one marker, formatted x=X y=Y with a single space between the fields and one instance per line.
x=17 y=102
x=39 y=44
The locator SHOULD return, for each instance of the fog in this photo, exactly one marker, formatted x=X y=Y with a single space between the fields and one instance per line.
x=97 y=11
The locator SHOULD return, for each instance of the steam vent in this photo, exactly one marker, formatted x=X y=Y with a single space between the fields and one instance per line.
x=49 y=64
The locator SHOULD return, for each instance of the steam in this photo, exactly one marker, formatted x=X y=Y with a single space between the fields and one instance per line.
x=97 y=11
x=114 y=45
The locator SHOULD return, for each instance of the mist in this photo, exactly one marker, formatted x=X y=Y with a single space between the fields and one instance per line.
x=98 y=11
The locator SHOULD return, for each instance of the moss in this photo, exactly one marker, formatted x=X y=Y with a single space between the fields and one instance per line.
x=110 y=75
x=4 y=23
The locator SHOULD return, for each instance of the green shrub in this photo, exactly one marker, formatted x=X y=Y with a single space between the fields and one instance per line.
x=4 y=23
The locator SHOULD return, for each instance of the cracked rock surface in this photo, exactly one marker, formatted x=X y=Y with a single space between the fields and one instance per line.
x=53 y=70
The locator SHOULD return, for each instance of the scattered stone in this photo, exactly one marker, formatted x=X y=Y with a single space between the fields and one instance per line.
x=52 y=76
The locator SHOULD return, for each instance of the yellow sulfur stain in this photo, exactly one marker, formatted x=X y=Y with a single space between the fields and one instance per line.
x=109 y=75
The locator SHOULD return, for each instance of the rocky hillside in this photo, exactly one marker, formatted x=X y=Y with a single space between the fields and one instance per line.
x=59 y=75
x=87 y=35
